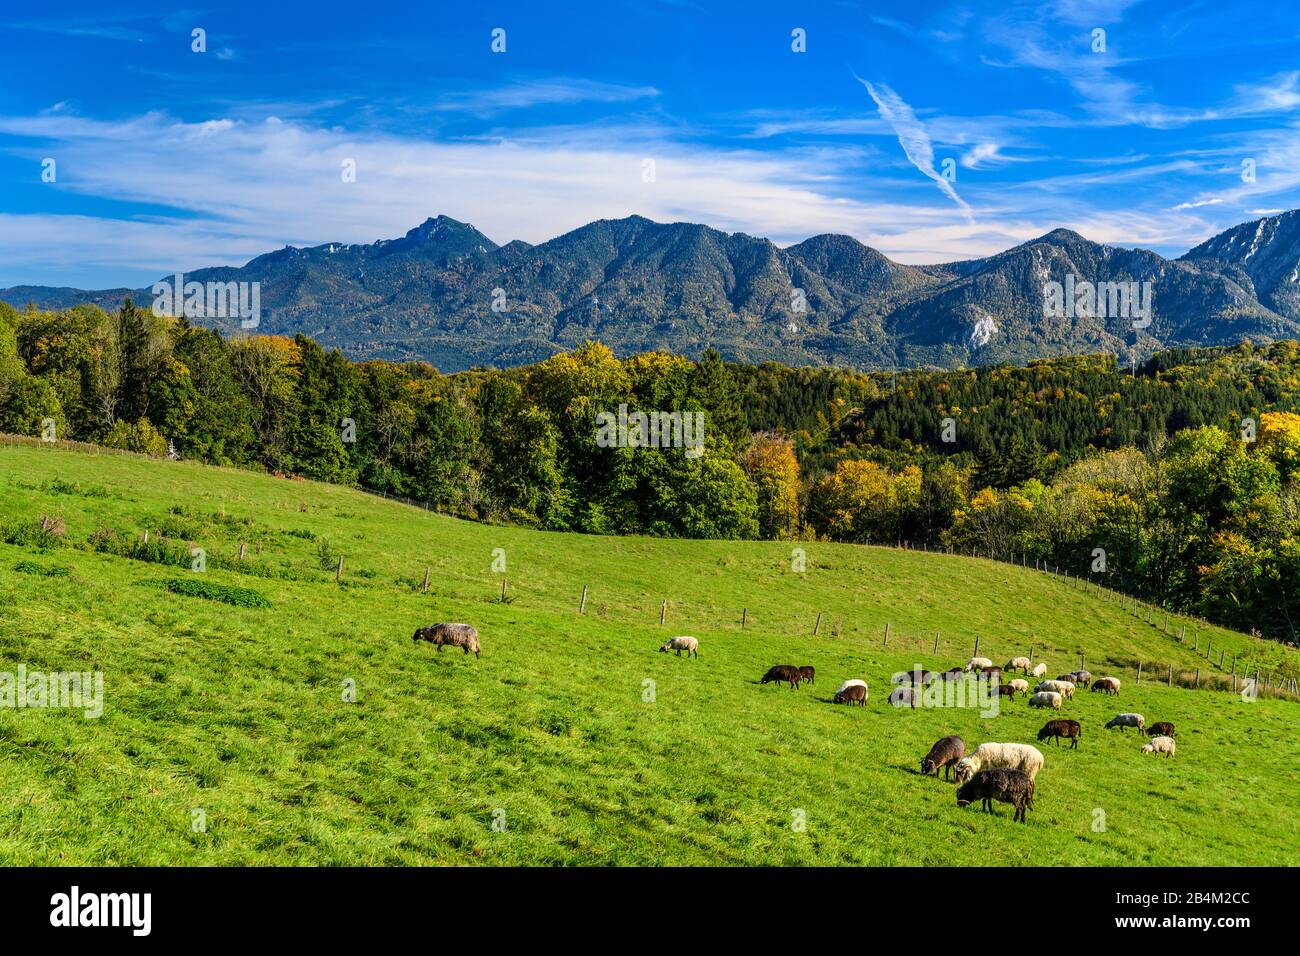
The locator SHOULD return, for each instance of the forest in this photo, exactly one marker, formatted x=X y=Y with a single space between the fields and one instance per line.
x=1177 y=480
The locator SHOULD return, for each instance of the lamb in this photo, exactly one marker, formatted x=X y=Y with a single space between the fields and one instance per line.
x=978 y=662
x=903 y=697
x=1018 y=664
x=1019 y=685
x=780 y=673
x=1056 y=729
x=1021 y=757
x=1160 y=745
x=945 y=753
x=1107 y=685
x=853 y=691
x=1003 y=785
x=1062 y=687
x=1160 y=729
x=1047 y=698
x=808 y=673
x=1127 y=720
x=454 y=635
x=1039 y=671
x=688 y=644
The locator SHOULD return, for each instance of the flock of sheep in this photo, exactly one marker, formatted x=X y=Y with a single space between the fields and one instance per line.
x=1002 y=772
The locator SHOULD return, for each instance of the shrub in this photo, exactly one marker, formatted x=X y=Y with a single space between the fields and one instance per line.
x=213 y=591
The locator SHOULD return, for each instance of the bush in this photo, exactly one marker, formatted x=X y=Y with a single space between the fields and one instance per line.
x=212 y=591
x=31 y=567
x=141 y=437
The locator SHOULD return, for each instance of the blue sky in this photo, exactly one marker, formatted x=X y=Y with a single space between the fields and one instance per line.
x=169 y=159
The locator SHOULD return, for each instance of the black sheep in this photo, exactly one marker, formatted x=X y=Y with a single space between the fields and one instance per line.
x=1056 y=729
x=1006 y=786
x=945 y=753
x=782 y=672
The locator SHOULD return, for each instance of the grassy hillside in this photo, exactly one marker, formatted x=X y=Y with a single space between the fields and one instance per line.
x=240 y=711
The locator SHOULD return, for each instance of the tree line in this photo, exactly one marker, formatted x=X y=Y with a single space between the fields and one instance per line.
x=1176 y=480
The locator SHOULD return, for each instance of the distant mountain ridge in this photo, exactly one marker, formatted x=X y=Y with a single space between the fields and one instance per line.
x=446 y=293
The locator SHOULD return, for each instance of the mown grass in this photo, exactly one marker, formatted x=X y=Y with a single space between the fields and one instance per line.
x=240 y=712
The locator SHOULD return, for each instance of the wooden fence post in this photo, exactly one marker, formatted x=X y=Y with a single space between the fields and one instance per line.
x=338 y=575
x=818 y=626
x=243 y=549
x=977 y=646
x=936 y=642
x=1139 y=680
x=146 y=535
x=663 y=610
x=1198 y=677
x=425 y=587
x=886 y=635
x=582 y=602
x=1171 y=675
x=744 y=615
x=503 y=590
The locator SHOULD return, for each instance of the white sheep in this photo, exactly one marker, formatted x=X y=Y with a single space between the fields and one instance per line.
x=1018 y=664
x=1160 y=745
x=1020 y=757
x=688 y=644
x=851 y=682
x=1062 y=687
x=1127 y=720
x=1039 y=671
x=1047 y=698
x=1019 y=685
x=978 y=662
x=903 y=697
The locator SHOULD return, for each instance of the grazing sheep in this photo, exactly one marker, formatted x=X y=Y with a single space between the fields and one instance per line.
x=1056 y=729
x=454 y=635
x=903 y=697
x=852 y=691
x=992 y=672
x=1127 y=720
x=945 y=753
x=955 y=674
x=1062 y=687
x=1068 y=678
x=978 y=662
x=1006 y=690
x=1001 y=784
x=1019 y=664
x=1107 y=685
x=1021 y=757
x=1047 y=698
x=918 y=678
x=1160 y=745
x=808 y=673
x=688 y=644
x=780 y=673
x=1038 y=671
x=1082 y=678
x=1160 y=729
x=1019 y=685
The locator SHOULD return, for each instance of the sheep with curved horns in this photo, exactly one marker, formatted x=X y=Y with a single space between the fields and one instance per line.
x=1127 y=720
x=1160 y=745
x=978 y=663
x=1062 y=687
x=455 y=635
x=1046 y=698
x=852 y=691
x=682 y=643
x=1022 y=757
x=1019 y=664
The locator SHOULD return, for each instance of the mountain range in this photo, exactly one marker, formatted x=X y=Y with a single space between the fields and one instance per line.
x=448 y=294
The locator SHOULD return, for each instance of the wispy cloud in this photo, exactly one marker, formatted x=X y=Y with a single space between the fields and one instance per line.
x=913 y=138
x=556 y=90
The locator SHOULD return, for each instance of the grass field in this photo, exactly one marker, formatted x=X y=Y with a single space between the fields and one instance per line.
x=240 y=711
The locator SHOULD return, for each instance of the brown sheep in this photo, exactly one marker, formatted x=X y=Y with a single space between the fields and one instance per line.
x=1107 y=685
x=945 y=753
x=1006 y=690
x=781 y=673
x=1006 y=786
x=1161 y=729
x=455 y=635
x=808 y=673
x=853 y=694
x=1056 y=729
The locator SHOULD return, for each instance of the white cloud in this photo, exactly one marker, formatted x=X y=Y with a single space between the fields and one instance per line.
x=1198 y=203
x=913 y=138
x=538 y=92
